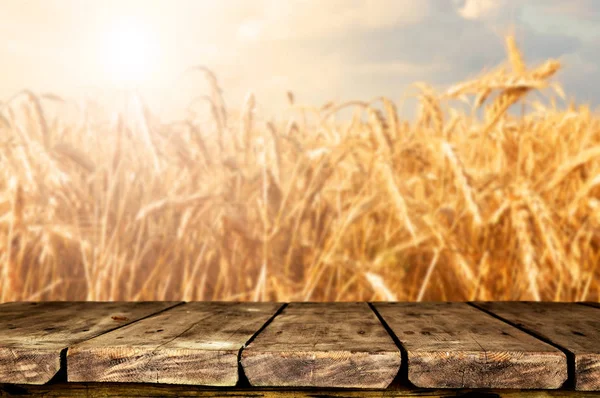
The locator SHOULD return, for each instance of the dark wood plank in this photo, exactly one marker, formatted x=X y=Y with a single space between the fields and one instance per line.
x=323 y=345
x=131 y=390
x=453 y=345
x=591 y=303
x=196 y=343
x=573 y=327
x=33 y=335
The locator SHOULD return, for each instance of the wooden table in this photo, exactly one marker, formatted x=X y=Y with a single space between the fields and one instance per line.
x=209 y=349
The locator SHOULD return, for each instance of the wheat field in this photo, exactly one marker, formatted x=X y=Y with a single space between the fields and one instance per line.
x=492 y=192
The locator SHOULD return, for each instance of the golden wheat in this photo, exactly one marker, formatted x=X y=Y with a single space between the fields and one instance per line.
x=450 y=206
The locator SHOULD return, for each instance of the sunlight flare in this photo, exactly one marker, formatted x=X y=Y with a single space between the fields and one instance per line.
x=131 y=52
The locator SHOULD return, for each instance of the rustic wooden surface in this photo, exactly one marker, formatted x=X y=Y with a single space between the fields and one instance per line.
x=323 y=345
x=97 y=390
x=453 y=345
x=33 y=335
x=573 y=327
x=195 y=343
x=319 y=345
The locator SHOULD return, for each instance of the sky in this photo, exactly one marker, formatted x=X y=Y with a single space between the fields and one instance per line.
x=321 y=50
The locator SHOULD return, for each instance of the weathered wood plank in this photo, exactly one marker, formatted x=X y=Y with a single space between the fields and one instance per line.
x=131 y=390
x=323 y=345
x=573 y=327
x=453 y=345
x=196 y=343
x=33 y=335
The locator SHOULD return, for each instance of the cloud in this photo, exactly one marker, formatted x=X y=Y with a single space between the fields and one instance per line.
x=481 y=9
x=401 y=68
x=300 y=19
x=444 y=41
x=581 y=9
x=538 y=46
x=580 y=78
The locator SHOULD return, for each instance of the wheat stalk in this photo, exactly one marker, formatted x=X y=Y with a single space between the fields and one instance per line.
x=397 y=199
x=522 y=227
x=462 y=182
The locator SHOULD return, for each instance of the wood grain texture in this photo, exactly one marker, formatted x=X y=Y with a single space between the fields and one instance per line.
x=97 y=390
x=323 y=345
x=195 y=343
x=33 y=335
x=453 y=345
x=573 y=327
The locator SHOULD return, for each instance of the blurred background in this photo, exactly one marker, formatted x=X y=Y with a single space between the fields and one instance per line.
x=300 y=150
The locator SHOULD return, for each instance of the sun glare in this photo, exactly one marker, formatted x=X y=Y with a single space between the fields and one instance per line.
x=131 y=52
